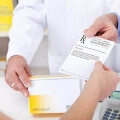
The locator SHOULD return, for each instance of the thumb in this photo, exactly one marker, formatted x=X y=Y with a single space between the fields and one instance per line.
x=93 y=29
x=106 y=68
x=98 y=65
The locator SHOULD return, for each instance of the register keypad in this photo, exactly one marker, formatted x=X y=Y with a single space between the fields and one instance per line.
x=111 y=114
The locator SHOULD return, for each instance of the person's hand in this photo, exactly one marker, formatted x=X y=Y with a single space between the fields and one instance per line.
x=17 y=74
x=104 y=80
x=105 y=27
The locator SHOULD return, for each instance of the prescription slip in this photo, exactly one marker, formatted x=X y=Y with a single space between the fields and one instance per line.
x=84 y=54
x=53 y=94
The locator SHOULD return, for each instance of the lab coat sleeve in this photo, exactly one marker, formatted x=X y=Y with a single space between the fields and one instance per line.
x=28 y=28
x=114 y=7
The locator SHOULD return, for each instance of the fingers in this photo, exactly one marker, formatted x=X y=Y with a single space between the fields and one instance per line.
x=24 y=77
x=93 y=29
x=13 y=78
x=106 y=68
x=110 y=35
x=98 y=65
x=18 y=83
x=103 y=27
x=10 y=80
x=17 y=74
x=28 y=71
x=112 y=72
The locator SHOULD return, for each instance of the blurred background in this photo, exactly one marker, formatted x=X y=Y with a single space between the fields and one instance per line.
x=40 y=58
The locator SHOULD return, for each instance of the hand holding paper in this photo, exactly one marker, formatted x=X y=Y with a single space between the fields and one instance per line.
x=84 y=54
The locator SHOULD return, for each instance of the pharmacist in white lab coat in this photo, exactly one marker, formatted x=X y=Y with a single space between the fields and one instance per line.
x=65 y=21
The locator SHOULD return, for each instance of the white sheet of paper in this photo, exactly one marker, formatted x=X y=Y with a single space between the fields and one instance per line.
x=84 y=54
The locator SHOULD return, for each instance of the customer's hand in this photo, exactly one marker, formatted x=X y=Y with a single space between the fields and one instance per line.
x=17 y=74
x=105 y=27
x=101 y=84
x=104 y=80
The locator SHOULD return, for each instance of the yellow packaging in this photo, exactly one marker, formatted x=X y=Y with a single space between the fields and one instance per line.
x=53 y=94
x=6 y=12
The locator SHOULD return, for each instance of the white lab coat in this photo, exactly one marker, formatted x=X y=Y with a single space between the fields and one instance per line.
x=65 y=21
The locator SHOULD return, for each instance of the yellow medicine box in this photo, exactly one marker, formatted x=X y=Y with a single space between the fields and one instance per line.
x=53 y=94
x=6 y=13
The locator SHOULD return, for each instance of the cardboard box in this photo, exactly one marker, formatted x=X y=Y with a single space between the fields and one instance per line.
x=53 y=94
x=6 y=12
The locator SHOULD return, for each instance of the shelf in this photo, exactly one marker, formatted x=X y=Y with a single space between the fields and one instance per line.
x=2 y=59
x=3 y=34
